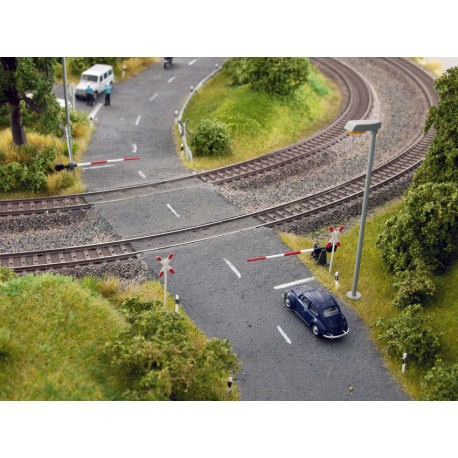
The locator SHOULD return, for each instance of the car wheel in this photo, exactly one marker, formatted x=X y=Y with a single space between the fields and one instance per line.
x=287 y=303
x=315 y=330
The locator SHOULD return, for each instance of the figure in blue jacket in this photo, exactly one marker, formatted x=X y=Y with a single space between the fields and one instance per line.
x=89 y=95
x=107 y=94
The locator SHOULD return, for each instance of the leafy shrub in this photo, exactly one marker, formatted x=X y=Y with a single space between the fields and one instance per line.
x=236 y=69
x=413 y=287
x=277 y=75
x=30 y=175
x=425 y=230
x=6 y=274
x=441 y=383
x=441 y=161
x=211 y=138
x=159 y=359
x=272 y=75
x=410 y=333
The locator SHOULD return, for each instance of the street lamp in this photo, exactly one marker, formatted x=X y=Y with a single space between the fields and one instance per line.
x=360 y=127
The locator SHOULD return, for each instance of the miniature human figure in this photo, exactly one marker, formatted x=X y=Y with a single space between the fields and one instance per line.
x=89 y=95
x=107 y=94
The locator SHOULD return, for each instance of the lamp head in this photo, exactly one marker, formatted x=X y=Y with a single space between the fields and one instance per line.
x=359 y=126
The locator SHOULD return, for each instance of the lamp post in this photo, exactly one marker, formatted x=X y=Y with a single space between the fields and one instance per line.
x=360 y=127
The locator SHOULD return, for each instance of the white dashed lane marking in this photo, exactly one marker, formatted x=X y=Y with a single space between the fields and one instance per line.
x=137 y=122
x=141 y=174
x=153 y=97
x=171 y=79
x=280 y=330
x=233 y=268
x=294 y=283
x=173 y=211
x=134 y=148
x=192 y=62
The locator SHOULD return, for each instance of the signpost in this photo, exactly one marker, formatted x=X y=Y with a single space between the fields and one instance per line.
x=166 y=267
x=334 y=241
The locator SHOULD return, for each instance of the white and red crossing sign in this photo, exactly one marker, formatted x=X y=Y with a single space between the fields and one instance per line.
x=166 y=267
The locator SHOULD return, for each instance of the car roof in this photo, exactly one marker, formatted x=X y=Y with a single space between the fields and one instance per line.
x=98 y=68
x=318 y=296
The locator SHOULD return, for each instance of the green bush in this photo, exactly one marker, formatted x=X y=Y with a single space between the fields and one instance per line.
x=277 y=75
x=6 y=274
x=159 y=359
x=410 y=333
x=413 y=287
x=30 y=175
x=211 y=138
x=425 y=230
x=236 y=69
x=441 y=383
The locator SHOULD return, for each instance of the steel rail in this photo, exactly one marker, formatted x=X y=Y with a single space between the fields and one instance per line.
x=356 y=104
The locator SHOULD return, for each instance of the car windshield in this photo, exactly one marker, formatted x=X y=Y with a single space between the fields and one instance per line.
x=330 y=311
x=89 y=78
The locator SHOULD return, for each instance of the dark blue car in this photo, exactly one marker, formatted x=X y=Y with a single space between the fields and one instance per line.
x=319 y=310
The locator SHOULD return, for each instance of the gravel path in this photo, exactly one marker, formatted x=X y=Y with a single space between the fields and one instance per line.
x=393 y=94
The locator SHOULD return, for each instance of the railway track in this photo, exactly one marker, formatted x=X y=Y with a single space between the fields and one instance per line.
x=407 y=161
x=356 y=104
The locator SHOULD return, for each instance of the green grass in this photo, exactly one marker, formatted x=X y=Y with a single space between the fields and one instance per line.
x=376 y=286
x=53 y=329
x=260 y=123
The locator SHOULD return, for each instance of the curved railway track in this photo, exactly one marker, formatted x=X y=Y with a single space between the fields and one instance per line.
x=356 y=104
x=72 y=257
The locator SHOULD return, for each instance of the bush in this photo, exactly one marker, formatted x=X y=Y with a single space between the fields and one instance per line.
x=277 y=75
x=425 y=230
x=6 y=274
x=272 y=75
x=5 y=343
x=211 y=138
x=413 y=287
x=441 y=383
x=159 y=359
x=410 y=333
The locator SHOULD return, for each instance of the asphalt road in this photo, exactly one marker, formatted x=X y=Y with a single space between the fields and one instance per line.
x=224 y=295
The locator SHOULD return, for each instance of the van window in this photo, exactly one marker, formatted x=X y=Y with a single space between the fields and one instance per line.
x=89 y=78
x=110 y=72
x=105 y=76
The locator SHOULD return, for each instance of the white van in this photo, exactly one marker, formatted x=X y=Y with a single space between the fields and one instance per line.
x=98 y=76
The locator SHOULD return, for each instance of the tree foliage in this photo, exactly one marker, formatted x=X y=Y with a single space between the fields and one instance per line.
x=441 y=382
x=409 y=332
x=441 y=161
x=159 y=358
x=26 y=83
x=424 y=232
x=273 y=75
x=211 y=138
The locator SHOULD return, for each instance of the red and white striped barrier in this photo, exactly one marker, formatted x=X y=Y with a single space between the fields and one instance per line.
x=289 y=253
x=107 y=161
x=70 y=167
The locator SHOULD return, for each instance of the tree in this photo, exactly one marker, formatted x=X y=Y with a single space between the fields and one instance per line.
x=27 y=79
x=441 y=161
x=273 y=75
